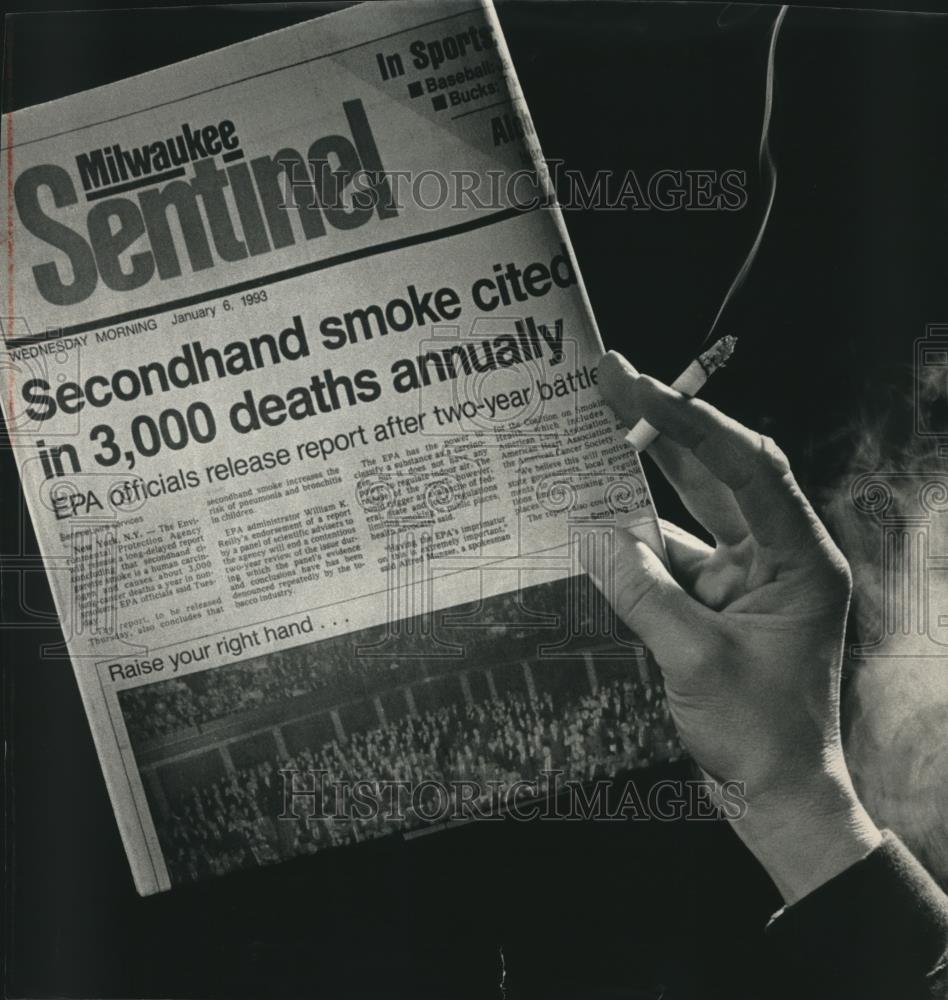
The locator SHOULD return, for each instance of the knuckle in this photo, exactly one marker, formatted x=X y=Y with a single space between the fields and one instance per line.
x=829 y=572
x=773 y=457
x=631 y=588
x=839 y=575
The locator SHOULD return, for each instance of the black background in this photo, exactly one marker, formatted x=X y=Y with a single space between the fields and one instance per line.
x=851 y=270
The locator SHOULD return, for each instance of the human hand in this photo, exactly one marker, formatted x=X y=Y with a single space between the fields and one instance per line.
x=748 y=632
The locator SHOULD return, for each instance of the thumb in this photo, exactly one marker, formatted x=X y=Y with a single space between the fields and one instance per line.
x=674 y=626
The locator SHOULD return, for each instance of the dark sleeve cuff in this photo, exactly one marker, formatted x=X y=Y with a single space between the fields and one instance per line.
x=879 y=929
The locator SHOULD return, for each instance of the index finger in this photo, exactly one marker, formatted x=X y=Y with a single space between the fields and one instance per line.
x=756 y=471
x=706 y=498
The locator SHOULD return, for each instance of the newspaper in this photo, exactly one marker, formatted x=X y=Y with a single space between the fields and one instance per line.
x=301 y=383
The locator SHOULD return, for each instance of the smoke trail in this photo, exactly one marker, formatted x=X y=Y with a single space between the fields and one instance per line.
x=765 y=168
x=889 y=513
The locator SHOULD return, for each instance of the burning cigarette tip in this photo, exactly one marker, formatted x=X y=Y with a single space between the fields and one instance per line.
x=689 y=383
x=718 y=354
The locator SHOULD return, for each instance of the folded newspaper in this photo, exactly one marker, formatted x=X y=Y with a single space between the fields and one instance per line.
x=301 y=383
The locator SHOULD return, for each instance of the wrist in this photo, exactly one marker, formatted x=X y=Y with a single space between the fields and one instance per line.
x=806 y=835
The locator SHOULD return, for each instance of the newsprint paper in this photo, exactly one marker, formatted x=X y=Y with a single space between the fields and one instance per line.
x=301 y=379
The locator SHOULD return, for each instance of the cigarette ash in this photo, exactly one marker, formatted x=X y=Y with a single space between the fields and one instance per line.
x=895 y=709
x=717 y=355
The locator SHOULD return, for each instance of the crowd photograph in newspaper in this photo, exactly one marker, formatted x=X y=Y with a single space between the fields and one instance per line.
x=332 y=577
x=356 y=452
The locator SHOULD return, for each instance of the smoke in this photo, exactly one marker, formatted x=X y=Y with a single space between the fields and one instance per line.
x=766 y=170
x=890 y=515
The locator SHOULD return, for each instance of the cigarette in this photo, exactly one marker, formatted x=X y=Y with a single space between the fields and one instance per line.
x=688 y=383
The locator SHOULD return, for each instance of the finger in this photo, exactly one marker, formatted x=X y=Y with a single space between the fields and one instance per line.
x=674 y=626
x=686 y=554
x=707 y=499
x=692 y=563
x=749 y=464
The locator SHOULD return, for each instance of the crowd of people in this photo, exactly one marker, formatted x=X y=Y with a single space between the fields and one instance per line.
x=346 y=667
x=195 y=700
x=235 y=821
